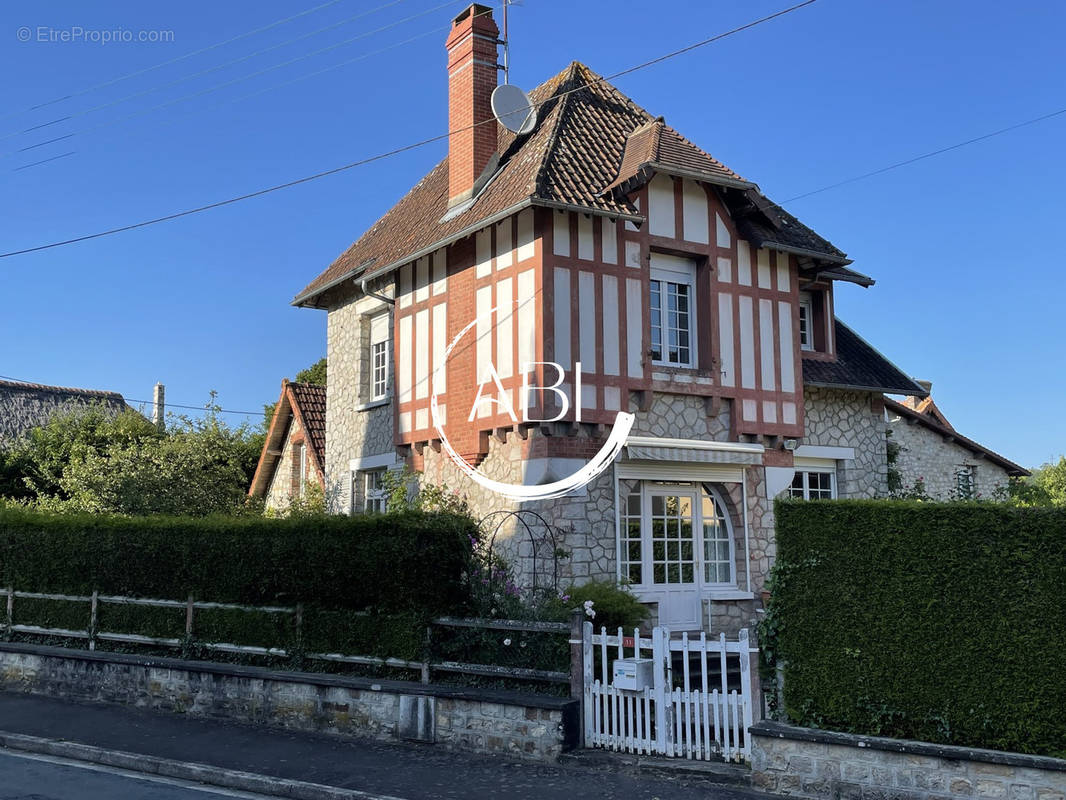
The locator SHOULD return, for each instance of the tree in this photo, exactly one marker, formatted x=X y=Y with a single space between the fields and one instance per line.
x=1045 y=487
x=88 y=460
x=314 y=374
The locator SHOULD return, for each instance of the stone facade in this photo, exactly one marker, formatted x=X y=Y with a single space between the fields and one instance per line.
x=805 y=763
x=285 y=484
x=356 y=427
x=477 y=721
x=837 y=418
x=925 y=456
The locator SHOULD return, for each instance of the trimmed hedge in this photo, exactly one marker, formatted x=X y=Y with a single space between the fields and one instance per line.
x=412 y=562
x=939 y=622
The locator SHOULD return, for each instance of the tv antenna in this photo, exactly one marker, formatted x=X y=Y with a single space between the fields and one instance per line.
x=510 y=105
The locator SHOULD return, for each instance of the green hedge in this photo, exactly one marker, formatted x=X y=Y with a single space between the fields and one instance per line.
x=940 y=622
x=385 y=563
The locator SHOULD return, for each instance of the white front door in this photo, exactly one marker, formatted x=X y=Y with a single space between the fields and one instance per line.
x=675 y=545
x=671 y=536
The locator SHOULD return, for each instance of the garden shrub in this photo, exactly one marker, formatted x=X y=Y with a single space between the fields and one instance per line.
x=397 y=570
x=943 y=622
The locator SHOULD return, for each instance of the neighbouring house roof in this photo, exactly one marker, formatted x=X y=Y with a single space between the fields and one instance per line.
x=24 y=406
x=951 y=435
x=857 y=366
x=305 y=403
x=590 y=145
x=926 y=406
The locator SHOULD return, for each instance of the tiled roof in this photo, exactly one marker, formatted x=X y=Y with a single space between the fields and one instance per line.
x=307 y=401
x=858 y=366
x=24 y=406
x=574 y=156
x=311 y=402
x=951 y=434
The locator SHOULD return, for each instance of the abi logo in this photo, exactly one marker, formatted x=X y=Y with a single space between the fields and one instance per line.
x=491 y=392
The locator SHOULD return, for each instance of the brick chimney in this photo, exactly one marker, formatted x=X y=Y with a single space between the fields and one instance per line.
x=472 y=68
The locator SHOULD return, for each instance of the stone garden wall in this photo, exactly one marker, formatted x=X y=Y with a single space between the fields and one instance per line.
x=815 y=764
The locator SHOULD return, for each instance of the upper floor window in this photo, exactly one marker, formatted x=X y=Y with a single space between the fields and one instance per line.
x=379 y=357
x=813 y=485
x=806 y=322
x=303 y=469
x=673 y=323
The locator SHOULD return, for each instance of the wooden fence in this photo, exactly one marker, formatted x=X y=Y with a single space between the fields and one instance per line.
x=92 y=634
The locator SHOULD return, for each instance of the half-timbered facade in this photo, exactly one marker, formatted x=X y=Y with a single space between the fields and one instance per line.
x=607 y=254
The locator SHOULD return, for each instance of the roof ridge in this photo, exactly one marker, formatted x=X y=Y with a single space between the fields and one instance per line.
x=41 y=387
x=561 y=102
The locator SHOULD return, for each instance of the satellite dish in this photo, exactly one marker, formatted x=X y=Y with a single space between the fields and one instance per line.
x=512 y=109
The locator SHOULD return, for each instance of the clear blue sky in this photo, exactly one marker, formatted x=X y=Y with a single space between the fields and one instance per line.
x=966 y=247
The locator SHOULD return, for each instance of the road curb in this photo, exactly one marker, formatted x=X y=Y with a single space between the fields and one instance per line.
x=712 y=772
x=188 y=771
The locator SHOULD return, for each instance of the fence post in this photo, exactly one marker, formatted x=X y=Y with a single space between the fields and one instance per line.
x=588 y=658
x=663 y=673
x=577 y=654
x=10 y=608
x=188 y=617
x=746 y=697
x=427 y=652
x=93 y=605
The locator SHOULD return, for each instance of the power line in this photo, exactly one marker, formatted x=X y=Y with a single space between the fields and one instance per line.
x=396 y=151
x=202 y=73
x=225 y=84
x=146 y=402
x=174 y=60
x=924 y=156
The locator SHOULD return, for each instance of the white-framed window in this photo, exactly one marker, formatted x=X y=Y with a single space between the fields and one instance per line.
x=379 y=357
x=806 y=322
x=810 y=484
x=674 y=535
x=965 y=480
x=673 y=315
x=374 y=494
x=303 y=469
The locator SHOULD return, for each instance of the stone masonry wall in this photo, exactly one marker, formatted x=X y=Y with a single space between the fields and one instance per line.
x=837 y=418
x=804 y=763
x=280 y=492
x=355 y=428
x=923 y=454
x=507 y=723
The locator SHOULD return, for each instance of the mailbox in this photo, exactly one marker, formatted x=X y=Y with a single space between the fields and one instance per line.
x=634 y=674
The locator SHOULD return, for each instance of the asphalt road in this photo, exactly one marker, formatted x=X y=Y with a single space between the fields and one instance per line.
x=26 y=777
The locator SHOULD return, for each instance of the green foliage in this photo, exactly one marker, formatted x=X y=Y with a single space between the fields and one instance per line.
x=388 y=563
x=314 y=374
x=614 y=606
x=1045 y=487
x=405 y=492
x=93 y=461
x=932 y=621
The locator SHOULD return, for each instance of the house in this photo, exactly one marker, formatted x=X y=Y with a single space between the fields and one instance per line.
x=929 y=451
x=24 y=406
x=602 y=237
x=294 y=451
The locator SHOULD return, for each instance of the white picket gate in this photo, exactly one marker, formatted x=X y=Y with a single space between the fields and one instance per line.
x=690 y=720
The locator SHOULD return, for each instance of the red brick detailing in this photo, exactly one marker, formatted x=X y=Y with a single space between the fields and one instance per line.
x=472 y=60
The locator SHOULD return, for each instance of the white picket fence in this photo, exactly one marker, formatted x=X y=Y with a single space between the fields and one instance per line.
x=691 y=720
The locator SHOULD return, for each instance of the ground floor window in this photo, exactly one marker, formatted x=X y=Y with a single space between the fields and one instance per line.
x=813 y=485
x=965 y=481
x=676 y=534
x=369 y=486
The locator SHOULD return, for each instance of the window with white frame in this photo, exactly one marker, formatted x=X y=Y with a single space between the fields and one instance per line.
x=374 y=491
x=673 y=319
x=674 y=535
x=379 y=357
x=811 y=484
x=965 y=481
x=303 y=470
x=806 y=322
